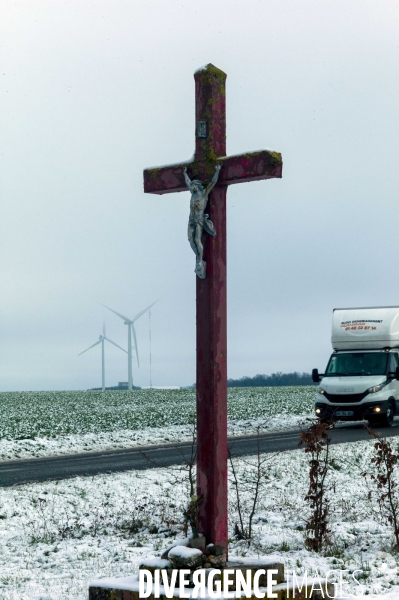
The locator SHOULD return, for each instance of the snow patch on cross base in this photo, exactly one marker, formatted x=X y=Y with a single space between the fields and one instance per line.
x=117 y=583
x=184 y=552
x=155 y=563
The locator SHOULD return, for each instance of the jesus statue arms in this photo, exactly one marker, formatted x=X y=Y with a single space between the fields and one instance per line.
x=215 y=178
x=210 y=186
x=187 y=178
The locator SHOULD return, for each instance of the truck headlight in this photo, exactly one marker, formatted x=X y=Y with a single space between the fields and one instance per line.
x=318 y=411
x=377 y=388
x=321 y=391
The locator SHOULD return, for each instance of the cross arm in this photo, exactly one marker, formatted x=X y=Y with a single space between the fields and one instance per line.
x=166 y=179
x=251 y=166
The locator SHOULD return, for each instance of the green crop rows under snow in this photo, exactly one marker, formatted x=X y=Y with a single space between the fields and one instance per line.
x=29 y=415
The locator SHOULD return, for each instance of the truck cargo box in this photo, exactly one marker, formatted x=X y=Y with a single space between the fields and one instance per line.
x=365 y=328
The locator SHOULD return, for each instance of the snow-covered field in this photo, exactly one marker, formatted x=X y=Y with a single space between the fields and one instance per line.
x=34 y=424
x=56 y=537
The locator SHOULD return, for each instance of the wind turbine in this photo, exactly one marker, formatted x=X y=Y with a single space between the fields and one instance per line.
x=101 y=341
x=130 y=329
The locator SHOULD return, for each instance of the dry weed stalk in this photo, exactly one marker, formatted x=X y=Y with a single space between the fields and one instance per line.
x=255 y=475
x=387 y=487
x=317 y=443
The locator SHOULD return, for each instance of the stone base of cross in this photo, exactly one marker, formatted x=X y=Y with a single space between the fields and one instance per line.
x=210 y=150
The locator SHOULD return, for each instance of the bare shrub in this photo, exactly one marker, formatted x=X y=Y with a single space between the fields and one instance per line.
x=184 y=474
x=249 y=483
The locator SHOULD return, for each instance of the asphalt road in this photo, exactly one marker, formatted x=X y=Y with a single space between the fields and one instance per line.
x=145 y=457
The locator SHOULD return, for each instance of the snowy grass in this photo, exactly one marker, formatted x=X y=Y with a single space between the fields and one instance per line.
x=45 y=423
x=55 y=537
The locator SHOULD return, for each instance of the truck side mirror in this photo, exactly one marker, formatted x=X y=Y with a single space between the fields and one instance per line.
x=397 y=373
x=316 y=376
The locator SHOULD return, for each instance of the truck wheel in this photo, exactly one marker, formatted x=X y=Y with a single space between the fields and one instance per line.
x=387 y=420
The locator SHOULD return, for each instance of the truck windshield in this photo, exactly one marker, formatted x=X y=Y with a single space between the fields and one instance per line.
x=357 y=363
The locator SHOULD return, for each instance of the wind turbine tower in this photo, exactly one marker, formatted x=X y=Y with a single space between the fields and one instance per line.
x=101 y=341
x=131 y=330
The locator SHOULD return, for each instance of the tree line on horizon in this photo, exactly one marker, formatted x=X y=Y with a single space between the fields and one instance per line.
x=275 y=379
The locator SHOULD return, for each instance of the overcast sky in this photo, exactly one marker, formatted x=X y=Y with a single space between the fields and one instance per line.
x=94 y=92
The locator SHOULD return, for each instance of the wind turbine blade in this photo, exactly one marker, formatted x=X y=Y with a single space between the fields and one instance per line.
x=119 y=314
x=135 y=343
x=111 y=342
x=104 y=335
x=143 y=311
x=99 y=342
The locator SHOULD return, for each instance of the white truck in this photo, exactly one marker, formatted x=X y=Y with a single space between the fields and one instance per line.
x=361 y=380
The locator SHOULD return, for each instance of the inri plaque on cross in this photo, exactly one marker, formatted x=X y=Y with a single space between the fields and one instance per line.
x=210 y=151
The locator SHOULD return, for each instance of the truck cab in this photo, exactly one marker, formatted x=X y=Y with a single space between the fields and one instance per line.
x=361 y=380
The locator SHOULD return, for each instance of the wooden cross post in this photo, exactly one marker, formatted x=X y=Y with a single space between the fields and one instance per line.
x=210 y=150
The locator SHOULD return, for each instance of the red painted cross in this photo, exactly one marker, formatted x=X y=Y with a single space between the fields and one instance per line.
x=210 y=150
